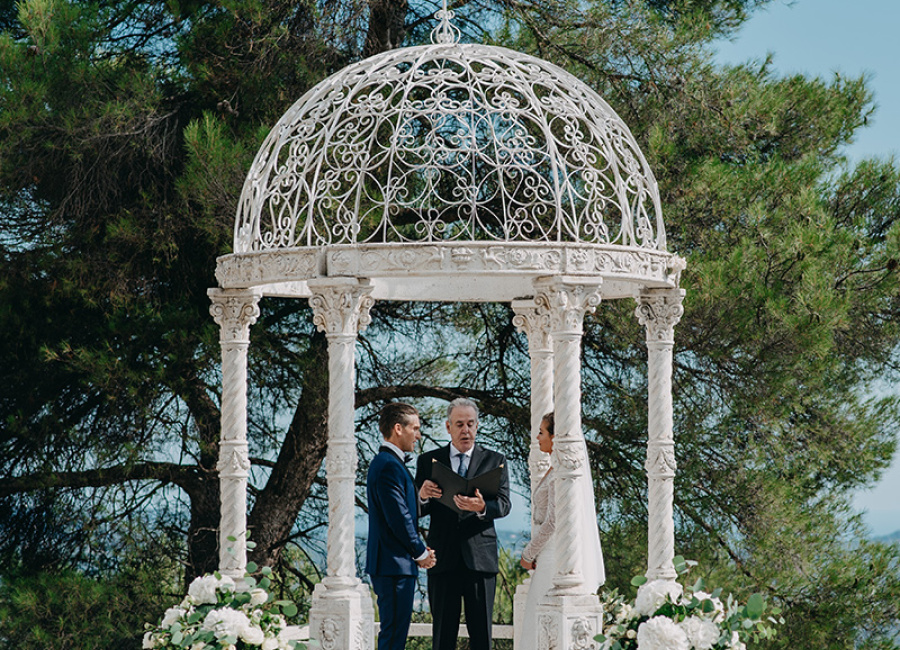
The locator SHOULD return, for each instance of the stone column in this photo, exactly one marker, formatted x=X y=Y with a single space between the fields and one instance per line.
x=341 y=615
x=570 y=616
x=659 y=310
x=234 y=311
x=536 y=326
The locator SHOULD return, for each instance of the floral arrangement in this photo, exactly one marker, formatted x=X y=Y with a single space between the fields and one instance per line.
x=218 y=614
x=667 y=616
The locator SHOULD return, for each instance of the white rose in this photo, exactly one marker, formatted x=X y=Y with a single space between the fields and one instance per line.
x=701 y=634
x=253 y=635
x=258 y=597
x=661 y=633
x=171 y=616
x=226 y=622
x=270 y=644
x=200 y=645
x=651 y=595
x=148 y=641
x=630 y=634
x=203 y=590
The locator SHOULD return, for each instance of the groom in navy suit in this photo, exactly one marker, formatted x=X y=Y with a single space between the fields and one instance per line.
x=395 y=551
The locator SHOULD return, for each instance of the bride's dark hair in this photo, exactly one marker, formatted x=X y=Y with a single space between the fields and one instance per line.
x=548 y=419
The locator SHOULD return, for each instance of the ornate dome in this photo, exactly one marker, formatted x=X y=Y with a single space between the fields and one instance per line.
x=457 y=146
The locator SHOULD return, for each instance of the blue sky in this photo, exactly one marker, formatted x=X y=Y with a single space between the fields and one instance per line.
x=822 y=37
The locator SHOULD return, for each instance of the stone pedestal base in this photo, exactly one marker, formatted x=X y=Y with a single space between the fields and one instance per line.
x=569 y=623
x=342 y=617
x=519 y=599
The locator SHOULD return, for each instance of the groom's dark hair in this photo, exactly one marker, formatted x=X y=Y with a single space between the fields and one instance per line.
x=550 y=420
x=395 y=413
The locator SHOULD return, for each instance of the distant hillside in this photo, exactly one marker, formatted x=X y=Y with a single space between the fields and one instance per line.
x=892 y=537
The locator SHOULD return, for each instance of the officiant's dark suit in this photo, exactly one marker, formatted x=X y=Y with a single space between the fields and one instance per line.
x=465 y=545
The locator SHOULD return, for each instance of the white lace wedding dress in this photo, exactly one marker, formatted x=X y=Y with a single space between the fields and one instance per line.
x=542 y=547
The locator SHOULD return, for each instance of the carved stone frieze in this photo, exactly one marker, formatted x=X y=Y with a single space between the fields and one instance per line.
x=271 y=266
x=234 y=313
x=341 y=308
x=659 y=312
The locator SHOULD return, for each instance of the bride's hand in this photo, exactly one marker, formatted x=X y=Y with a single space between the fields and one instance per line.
x=525 y=564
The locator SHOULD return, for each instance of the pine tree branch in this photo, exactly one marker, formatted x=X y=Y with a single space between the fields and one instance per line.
x=184 y=476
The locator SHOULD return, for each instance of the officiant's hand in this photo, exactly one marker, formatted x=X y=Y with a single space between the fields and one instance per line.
x=430 y=490
x=525 y=564
x=471 y=504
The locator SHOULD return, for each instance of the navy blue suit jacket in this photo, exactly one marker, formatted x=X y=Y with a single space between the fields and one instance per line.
x=394 y=541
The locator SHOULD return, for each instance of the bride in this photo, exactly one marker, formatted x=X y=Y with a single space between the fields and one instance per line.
x=540 y=553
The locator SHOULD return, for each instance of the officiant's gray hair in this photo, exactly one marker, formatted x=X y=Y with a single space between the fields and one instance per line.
x=462 y=401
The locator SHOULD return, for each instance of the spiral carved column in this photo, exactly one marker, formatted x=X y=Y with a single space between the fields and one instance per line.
x=341 y=614
x=659 y=311
x=536 y=326
x=234 y=311
x=569 y=612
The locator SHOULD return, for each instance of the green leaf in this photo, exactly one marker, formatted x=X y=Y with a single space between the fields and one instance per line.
x=756 y=605
x=251 y=545
x=252 y=567
x=600 y=638
x=637 y=581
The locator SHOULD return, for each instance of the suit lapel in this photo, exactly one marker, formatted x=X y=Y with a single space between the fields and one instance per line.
x=477 y=458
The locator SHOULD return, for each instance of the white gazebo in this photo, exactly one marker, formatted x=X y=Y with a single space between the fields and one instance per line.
x=451 y=172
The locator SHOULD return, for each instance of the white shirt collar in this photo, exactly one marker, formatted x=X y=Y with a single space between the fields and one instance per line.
x=456 y=452
x=394 y=448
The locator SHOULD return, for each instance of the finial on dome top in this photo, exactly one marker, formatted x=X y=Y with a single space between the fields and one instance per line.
x=445 y=32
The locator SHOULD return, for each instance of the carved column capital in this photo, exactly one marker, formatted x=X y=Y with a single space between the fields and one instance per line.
x=234 y=311
x=565 y=300
x=659 y=311
x=534 y=322
x=341 y=305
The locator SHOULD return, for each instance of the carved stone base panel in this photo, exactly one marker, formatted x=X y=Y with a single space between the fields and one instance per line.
x=342 y=618
x=569 y=623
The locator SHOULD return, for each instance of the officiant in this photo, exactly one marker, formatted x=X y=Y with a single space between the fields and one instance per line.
x=464 y=539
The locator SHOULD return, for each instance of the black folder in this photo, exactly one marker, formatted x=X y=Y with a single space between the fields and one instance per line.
x=452 y=484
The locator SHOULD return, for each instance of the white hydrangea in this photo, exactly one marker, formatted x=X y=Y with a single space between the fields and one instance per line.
x=661 y=633
x=149 y=641
x=702 y=634
x=652 y=595
x=203 y=590
x=270 y=644
x=226 y=622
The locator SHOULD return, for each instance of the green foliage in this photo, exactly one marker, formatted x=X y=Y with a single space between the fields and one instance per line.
x=68 y=611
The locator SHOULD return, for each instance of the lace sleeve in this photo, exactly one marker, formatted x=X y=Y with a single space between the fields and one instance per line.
x=546 y=528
